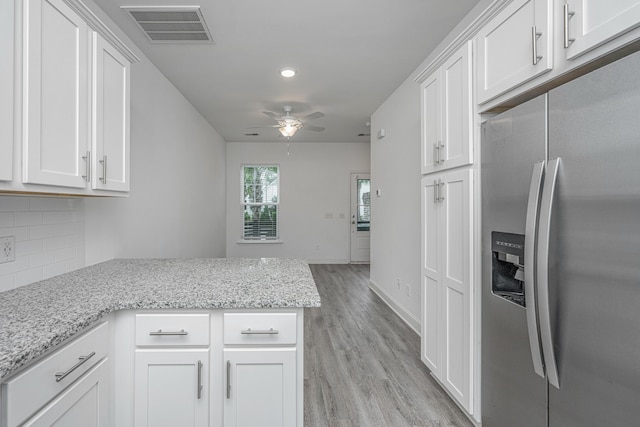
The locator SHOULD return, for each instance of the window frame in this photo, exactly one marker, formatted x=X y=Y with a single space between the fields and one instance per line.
x=243 y=204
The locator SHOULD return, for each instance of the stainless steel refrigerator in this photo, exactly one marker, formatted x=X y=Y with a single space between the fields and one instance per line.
x=561 y=256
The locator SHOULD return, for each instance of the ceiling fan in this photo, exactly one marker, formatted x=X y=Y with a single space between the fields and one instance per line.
x=289 y=124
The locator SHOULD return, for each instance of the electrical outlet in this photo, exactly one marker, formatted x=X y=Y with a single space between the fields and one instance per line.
x=7 y=249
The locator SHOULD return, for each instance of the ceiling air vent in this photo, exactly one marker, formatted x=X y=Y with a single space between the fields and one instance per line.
x=171 y=24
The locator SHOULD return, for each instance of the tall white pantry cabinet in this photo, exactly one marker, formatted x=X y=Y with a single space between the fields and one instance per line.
x=447 y=226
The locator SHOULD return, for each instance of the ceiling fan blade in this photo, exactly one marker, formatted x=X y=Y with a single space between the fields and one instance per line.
x=271 y=114
x=262 y=127
x=313 y=116
x=313 y=128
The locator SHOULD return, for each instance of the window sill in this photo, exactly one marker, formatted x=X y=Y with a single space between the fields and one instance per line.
x=260 y=242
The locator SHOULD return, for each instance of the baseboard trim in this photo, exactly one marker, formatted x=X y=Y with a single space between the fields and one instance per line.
x=327 y=261
x=411 y=321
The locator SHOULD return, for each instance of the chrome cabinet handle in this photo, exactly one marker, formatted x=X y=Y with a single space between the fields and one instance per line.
x=440 y=159
x=162 y=333
x=435 y=191
x=436 y=154
x=87 y=171
x=228 y=379
x=440 y=187
x=533 y=211
x=567 y=14
x=534 y=45
x=544 y=229
x=104 y=169
x=250 y=331
x=199 y=379
x=82 y=359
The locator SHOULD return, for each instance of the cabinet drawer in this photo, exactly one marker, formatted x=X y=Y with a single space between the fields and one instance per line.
x=169 y=330
x=26 y=393
x=260 y=328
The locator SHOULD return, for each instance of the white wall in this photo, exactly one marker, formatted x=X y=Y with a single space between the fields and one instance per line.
x=176 y=203
x=395 y=169
x=395 y=216
x=49 y=235
x=315 y=181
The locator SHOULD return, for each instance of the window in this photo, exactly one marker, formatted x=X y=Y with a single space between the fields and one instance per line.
x=364 y=204
x=260 y=199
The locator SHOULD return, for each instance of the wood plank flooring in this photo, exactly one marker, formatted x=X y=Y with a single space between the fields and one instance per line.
x=362 y=362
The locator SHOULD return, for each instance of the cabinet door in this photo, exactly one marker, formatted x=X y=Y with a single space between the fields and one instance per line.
x=514 y=47
x=85 y=403
x=6 y=88
x=590 y=23
x=430 y=342
x=431 y=131
x=167 y=388
x=456 y=267
x=111 y=72
x=456 y=110
x=261 y=387
x=55 y=120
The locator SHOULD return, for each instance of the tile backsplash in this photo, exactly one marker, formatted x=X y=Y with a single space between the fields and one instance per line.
x=49 y=234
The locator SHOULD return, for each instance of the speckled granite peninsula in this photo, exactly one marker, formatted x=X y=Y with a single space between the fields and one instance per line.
x=36 y=317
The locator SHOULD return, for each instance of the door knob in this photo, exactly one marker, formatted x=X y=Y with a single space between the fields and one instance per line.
x=353 y=222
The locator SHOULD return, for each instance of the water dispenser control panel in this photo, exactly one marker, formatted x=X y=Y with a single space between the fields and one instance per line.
x=507 y=279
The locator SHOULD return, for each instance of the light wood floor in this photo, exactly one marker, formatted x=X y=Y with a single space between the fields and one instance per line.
x=362 y=362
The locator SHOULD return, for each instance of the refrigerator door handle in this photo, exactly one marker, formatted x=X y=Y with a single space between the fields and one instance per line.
x=533 y=206
x=544 y=230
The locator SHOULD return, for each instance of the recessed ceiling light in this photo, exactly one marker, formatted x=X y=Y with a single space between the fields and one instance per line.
x=287 y=72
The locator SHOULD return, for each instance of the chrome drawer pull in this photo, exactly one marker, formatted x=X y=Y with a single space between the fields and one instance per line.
x=199 y=379
x=250 y=331
x=228 y=379
x=61 y=375
x=161 y=332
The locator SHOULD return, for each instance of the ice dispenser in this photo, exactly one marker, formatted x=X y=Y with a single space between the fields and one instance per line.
x=508 y=266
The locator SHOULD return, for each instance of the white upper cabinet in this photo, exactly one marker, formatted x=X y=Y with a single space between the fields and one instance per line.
x=446 y=114
x=590 y=23
x=431 y=129
x=55 y=95
x=514 y=47
x=111 y=117
x=6 y=89
x=71 y=85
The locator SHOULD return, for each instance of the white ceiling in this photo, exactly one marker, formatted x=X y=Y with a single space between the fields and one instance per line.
x=350 y=56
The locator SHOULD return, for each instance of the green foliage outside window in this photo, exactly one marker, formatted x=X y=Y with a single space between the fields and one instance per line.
x=260 y=201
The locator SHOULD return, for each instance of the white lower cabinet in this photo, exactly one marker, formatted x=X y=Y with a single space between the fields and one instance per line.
x=260 y=387
x=85 y=403
x=447 y=292
x=171 y=388
x=67 y=380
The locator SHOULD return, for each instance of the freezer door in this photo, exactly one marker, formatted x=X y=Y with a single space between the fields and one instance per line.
x=512 y=394
x=594 y=126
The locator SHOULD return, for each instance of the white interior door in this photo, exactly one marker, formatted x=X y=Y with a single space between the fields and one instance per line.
x=360 y=217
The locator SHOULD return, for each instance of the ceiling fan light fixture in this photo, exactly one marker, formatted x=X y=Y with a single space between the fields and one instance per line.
x=288 y=130
x=287 y=72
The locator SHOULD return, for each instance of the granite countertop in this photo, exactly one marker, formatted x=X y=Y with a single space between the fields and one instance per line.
x=36 y=317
